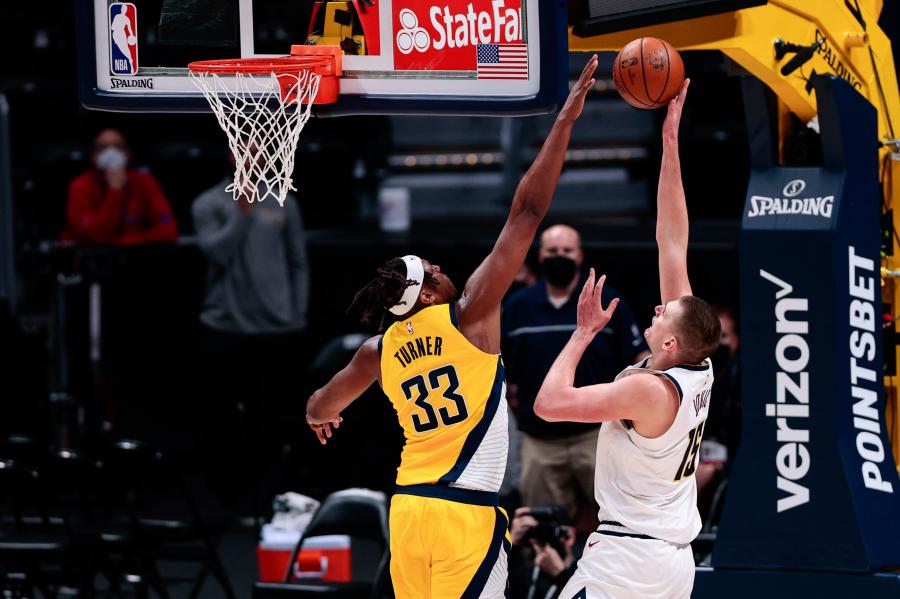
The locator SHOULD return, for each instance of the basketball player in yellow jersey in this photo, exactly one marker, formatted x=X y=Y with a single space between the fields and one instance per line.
x=439 y=364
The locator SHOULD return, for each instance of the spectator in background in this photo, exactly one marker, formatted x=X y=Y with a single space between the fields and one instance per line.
x=541 y=559
x=115 y=205
x=558 y=458
x=722 y=432
x=253 y=316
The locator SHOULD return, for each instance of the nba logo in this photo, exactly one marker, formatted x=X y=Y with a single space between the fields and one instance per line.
x=123 y=53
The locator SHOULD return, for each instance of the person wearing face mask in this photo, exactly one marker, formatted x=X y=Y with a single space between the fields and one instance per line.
x=112 y=204
x=558 y=458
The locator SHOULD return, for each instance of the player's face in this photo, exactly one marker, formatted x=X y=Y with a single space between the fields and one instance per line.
x=444 y=289
x=662 y=327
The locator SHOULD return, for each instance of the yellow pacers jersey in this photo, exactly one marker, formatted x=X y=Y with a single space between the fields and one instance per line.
x=450 y=400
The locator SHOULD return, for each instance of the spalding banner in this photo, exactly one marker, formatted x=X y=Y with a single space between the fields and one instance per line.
x=814 y=485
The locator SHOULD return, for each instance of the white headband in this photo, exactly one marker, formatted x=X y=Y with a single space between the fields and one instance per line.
x=415 y=272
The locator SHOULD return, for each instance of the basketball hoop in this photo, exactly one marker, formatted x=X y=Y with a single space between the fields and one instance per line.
x=262 y=105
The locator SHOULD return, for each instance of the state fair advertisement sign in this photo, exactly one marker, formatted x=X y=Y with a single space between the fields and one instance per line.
x=484 y=36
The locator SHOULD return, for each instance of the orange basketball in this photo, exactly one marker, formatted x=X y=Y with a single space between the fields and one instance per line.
x=648 y=72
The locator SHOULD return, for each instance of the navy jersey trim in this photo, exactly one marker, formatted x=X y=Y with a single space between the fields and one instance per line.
x=498 y=541
x=450 y=494
x=670 y=378
x=620 y=533
x=453 y=319
x=380 y=341
x=693 y=367
x=612 y=533
x=476 y=435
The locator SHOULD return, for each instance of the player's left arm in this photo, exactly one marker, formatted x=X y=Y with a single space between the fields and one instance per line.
x=491 y=280
x=323 y=410
x=672 y=224
x=629 y=398
x=560 y=400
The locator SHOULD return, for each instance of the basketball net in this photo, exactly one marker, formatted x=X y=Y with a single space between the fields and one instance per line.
x=262 y=115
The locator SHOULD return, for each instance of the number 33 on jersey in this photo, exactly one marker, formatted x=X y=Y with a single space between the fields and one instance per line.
x=450 y=401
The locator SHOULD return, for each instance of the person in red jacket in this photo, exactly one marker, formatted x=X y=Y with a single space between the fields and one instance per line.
x=112 y=204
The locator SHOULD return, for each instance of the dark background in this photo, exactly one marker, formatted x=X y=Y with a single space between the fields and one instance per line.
x=151 y=384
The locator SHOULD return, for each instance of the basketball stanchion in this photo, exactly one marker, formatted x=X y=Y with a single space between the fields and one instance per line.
x=262 y=104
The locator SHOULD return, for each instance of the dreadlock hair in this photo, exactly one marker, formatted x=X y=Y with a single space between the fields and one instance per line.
x=383 y=292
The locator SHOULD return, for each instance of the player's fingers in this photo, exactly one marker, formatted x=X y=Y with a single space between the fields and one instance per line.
x=326 y=428
x=681 y=96
x=321 y=437
x=589 y=69
x=585 y=295
x=612 y=306
x=598 y=291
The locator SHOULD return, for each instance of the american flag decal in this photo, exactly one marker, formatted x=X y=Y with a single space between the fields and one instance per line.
x=502 y=61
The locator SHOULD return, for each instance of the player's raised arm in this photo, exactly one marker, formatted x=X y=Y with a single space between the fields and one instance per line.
x=490 y=281
x=671 y=213
x=323 y=410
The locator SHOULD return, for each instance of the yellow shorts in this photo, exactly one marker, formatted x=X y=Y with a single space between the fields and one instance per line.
x=447 y=549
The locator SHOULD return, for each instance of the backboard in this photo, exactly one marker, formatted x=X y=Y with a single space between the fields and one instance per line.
x=400 y=56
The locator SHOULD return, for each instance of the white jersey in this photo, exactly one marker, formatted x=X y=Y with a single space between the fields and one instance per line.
x=648 y=485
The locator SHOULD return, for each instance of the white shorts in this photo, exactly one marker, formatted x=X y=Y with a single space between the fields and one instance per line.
x=628 y=567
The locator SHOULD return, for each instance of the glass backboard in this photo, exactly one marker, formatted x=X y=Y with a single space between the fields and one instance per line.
x=400 y=56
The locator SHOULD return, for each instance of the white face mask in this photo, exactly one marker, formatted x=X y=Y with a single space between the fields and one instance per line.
x=111 y=158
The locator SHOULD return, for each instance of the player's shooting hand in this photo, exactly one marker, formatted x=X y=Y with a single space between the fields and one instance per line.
x=547 y=559
x=571 y=110
x=323 y=428
x=673 y=117
x=521 y=524
x=591 y=315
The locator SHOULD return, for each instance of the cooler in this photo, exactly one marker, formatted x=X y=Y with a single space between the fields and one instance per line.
x=325 y=558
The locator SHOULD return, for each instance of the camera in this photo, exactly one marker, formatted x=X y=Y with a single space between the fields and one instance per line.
x=550 y=529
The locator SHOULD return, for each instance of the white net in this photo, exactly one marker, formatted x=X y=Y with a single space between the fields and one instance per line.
x=262 y=128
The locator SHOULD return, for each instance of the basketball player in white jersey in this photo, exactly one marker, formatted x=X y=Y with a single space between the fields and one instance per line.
x=654 y=413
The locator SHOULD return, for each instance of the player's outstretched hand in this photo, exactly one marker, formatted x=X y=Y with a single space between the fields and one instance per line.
x=591 y=315
x=673 y=117
x=571 y=110
x=322 y=428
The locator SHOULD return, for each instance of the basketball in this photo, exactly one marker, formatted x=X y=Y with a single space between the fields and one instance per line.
x=648 y=72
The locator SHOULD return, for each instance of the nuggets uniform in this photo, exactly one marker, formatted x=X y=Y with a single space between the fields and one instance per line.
x=647 y=495
x=448 y=536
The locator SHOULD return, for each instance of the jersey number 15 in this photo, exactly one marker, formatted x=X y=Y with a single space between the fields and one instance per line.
x=689 y=461
x=422 y=389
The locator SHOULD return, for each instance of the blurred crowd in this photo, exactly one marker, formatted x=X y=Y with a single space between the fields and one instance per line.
x=253 y=319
